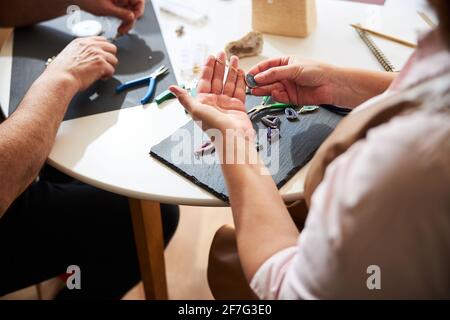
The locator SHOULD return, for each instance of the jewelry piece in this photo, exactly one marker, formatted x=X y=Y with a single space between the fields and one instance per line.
x=308 y=109
x=250 y=80
x=291 y=114
x=180 y=31
x=259 y=146
x=271 y=122
x=50 y=60
x=272 y=135
x=205 y=149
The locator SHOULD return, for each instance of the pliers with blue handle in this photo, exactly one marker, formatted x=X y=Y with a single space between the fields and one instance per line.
x=151 y=80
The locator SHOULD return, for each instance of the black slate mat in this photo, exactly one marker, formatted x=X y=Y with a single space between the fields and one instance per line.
x=297 y=145
x=34 y=45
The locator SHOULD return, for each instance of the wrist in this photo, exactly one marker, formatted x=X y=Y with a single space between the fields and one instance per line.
x=339 y=84
x=237 y=149
x=61 y=80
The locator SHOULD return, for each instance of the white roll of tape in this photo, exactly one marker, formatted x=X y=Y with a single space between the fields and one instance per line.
x=87 y=28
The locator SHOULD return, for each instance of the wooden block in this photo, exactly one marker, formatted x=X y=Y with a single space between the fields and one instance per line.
x=292 y=18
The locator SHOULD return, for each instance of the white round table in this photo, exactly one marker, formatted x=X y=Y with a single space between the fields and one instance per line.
x=111 y=150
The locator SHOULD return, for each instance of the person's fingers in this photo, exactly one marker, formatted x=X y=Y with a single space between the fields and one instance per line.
x=183 y=96
x=119 y=12
x=219 y=73
x=281 y=96
x=94 y=38
x=268 y=89
x=108 y=70
x=267 y=64
x=110 y=58
x=230 y=84
x=277 y=74
x=138 y=8
x=107 y=46
x=240 y=91
x=125 y=27
x=204 y=84
x=291 y=89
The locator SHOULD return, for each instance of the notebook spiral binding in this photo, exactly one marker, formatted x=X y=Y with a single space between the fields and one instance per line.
x=381 y=57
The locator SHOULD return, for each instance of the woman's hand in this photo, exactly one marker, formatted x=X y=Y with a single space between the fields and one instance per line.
x=219 y=105
x=303 y=83
x=307 y=82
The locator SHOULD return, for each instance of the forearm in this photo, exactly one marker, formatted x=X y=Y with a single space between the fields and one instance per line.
x=352 y=87
x=20 y=13
x=26 y=138
x=263 y=224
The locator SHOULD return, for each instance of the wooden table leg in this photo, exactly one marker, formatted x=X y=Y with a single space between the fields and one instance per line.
x=148 y=232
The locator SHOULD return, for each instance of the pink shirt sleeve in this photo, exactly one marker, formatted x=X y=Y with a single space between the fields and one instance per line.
x=384 y=203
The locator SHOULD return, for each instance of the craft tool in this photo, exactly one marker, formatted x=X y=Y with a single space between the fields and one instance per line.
x=376 y=51
x=427 y=19
x=258 y=109
x=168 y=95
x=308 y=109
x=266 y=100
x=385 y=36
x=150 y=80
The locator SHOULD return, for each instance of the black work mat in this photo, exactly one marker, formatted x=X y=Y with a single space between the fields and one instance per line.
x=34 y=45
x=297 y=145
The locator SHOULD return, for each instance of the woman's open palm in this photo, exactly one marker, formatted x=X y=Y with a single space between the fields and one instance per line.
x=218 y=105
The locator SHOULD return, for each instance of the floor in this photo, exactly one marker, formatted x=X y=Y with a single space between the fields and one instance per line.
x=186 y=258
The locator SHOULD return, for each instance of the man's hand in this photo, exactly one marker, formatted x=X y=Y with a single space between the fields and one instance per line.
x=218 y=105
x=126 y=10
x=303 y=83
x=84 y=61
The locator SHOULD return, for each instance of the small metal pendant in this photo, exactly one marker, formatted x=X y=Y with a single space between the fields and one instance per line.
x=291 y=114
x=205 y=149
x=308 y=109
x=250 y=80
x=271 y=122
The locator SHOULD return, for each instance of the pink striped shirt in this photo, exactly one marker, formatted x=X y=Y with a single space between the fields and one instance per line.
x=379 y=223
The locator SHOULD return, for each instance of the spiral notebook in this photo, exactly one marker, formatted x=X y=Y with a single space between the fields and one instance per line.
x=376 y=51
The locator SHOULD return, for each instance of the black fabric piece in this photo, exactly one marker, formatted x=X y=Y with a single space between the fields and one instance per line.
x=34 y=45
x=58 y=222
x=298 y=143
